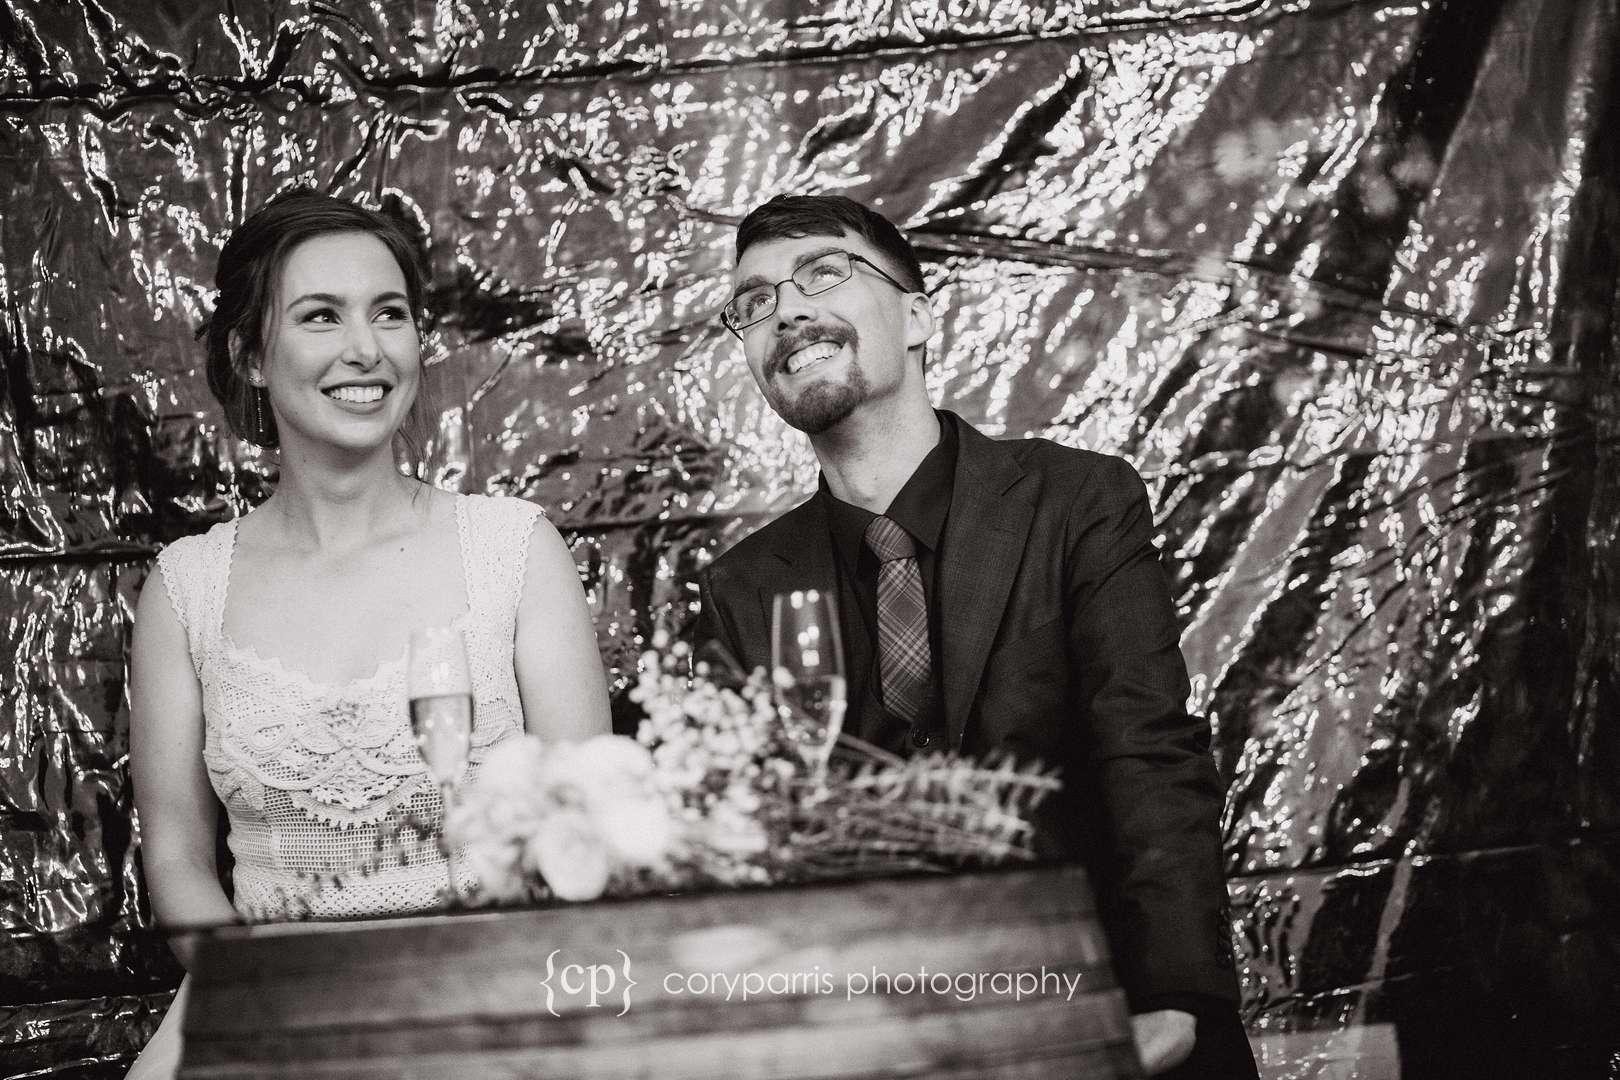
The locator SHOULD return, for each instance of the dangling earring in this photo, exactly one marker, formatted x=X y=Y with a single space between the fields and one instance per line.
x=257 y=406
x=259 y=433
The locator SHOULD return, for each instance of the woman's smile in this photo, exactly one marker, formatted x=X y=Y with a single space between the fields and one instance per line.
x=359 y=397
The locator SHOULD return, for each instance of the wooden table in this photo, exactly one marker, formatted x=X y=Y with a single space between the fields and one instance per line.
x=1000 y=974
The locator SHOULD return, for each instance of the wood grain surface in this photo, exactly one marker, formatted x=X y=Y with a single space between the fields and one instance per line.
x=1002 y=974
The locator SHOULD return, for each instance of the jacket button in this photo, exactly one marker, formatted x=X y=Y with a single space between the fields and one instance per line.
x=920 y=738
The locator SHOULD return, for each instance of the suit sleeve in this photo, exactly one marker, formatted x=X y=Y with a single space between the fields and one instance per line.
x=1147 y=761
x=714 y=630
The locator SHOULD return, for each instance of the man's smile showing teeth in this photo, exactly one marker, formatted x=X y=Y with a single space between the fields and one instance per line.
x=810 y=355
x=356 y=395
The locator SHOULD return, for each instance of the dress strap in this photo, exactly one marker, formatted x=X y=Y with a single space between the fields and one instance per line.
x=196 y=572
x=217 y=563
x=495 y=556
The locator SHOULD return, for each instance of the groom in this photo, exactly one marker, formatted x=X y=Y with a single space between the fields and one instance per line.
x=994 y=596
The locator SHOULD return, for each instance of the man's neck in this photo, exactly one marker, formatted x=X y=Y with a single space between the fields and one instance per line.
x=869 y=457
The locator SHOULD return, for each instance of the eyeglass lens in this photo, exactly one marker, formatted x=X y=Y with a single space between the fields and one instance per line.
x=812 y=278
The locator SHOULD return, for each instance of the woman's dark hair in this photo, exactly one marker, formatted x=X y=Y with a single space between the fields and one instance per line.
x=791 y=216
x=247 y=278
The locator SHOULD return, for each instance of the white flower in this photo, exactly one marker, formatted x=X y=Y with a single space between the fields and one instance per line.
x=601 y=770
x=615 y=755
x=498 y=868
x=732 y=832
x=567 y=853
x=511 y=768
x=638 y=832
x=742 y=797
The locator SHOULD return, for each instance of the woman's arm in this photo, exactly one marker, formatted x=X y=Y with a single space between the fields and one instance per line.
x=559 y=670
x=177 y=807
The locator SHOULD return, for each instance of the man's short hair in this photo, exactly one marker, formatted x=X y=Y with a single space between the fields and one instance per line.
x=788 y=217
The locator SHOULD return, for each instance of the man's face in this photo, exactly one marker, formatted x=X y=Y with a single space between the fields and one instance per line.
x=819 y=358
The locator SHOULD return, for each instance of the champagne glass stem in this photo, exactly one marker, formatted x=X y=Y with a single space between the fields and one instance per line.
x=453 y=894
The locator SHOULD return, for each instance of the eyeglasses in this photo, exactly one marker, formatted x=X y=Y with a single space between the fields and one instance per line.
x=812 y=278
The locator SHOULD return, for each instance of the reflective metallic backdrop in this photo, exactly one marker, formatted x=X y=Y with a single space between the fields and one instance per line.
x=1340 y=278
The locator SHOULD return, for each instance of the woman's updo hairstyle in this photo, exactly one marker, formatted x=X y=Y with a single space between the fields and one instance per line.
x=248 y=276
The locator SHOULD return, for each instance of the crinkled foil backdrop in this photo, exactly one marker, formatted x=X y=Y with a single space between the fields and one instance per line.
x=1340 y=278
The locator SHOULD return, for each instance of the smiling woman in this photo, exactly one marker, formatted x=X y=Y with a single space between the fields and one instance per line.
x=267 y=670
x=342 y=363
x=321 y=232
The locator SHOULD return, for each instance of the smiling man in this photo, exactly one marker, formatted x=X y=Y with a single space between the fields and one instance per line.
x=995 y=597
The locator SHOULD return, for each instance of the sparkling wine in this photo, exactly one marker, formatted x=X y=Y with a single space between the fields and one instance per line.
x=443 y=727
x=807 y=672
x=817 y=708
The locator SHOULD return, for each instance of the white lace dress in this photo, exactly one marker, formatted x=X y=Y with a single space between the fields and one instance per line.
x=312 y=774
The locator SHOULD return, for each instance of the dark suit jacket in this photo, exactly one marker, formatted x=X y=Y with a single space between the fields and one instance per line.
x=1059 y=642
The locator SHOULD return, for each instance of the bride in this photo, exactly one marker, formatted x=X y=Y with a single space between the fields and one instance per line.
x=267 y=664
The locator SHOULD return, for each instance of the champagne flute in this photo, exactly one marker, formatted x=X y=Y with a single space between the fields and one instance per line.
x=440 y=692
x=807 y=669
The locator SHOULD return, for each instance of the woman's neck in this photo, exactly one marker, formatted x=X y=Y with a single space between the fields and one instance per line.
x=323 y=507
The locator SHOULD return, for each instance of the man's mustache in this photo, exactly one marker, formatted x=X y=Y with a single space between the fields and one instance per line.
x=794 y=340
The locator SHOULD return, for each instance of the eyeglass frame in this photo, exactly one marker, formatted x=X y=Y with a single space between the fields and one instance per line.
x=776 y=288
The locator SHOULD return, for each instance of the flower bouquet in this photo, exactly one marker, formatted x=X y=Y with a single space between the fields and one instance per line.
x=713 y=793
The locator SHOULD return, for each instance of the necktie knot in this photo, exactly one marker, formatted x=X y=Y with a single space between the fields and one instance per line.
x=889 y=541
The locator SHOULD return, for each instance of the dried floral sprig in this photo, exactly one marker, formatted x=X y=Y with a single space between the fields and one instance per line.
x=881 y=812
x=757 y=813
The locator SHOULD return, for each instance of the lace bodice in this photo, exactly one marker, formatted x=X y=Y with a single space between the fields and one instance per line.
x=314 y=777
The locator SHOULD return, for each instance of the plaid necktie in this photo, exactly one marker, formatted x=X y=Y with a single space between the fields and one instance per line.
x=902 y=616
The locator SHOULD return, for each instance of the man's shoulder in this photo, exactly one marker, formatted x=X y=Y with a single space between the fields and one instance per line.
x=1067 y=465
x=1035 y=451
x=756 y=552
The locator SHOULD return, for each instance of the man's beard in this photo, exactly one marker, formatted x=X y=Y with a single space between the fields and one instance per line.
x=821 y=405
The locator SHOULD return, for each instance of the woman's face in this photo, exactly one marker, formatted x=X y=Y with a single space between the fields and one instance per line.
x=342 y=357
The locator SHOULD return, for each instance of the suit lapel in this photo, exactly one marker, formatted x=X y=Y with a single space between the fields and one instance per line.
x=800 y=557
x=985 y=536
